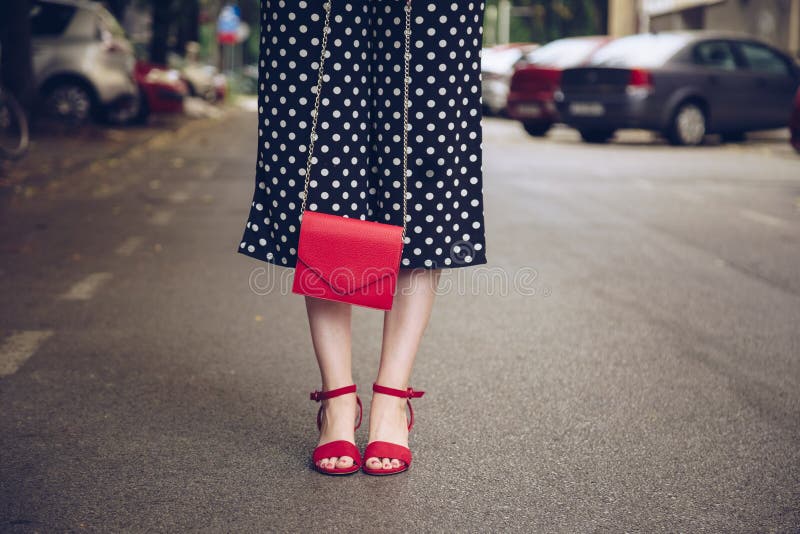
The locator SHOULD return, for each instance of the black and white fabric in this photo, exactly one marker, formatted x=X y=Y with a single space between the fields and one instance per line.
x=358 y=154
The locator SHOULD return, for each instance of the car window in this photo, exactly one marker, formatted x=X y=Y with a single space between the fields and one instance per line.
x=642 y=50
x=50 y=19
x=762 y=59
x=109 y=23
x=714 y=54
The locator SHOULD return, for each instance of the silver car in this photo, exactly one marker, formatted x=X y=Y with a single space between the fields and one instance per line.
x=82 y=60
x=497 y=67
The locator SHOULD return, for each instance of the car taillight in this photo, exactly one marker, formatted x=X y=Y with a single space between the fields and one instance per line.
x=640 y=83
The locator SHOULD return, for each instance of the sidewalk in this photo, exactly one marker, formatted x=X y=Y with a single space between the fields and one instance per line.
x=57 y=150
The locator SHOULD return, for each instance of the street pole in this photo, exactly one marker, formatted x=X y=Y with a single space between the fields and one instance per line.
x=794 y=28
x=491 y=25
x=622 y=17
x=504 y=21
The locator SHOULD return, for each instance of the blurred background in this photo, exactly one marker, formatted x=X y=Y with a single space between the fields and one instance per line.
x=119 y=62
x=630 y=355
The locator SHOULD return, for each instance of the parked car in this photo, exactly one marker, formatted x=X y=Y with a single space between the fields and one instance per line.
x=497 y=66
x=204 y=81
x=82 y=60
x=537 y=77
x=682 y=84
x=794 y=124
x=161 y=89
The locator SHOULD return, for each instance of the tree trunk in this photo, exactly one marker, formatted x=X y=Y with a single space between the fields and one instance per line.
x=15 y=38
x=117 y=8
x=188 y=24
x=162 y=14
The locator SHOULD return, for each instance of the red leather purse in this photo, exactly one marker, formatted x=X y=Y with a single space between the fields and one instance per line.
x=342 y=258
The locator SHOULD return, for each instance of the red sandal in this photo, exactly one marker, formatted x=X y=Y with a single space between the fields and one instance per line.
x=384 y=449
x=339 y=447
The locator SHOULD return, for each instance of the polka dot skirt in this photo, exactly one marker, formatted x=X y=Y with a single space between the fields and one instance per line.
x=357 y=167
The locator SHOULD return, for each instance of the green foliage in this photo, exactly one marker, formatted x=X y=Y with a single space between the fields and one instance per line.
x=545 y=20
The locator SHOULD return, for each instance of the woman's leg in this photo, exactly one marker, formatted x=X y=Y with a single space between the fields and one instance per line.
x=330 y=332
x=403 y=327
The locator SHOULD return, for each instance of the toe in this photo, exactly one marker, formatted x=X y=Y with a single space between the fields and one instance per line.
x=323 y=463
x=395 y=463
x=332 y=462
x=387 y=463
x=373 y=463
x=344 y=462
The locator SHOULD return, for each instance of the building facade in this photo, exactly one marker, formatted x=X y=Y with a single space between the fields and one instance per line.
x=775 y=21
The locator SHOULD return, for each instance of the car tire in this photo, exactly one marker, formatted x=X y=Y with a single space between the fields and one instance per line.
x=142 y=111
x=70 y=101
x=597 y=136
x=536 y=129
x=688 y=126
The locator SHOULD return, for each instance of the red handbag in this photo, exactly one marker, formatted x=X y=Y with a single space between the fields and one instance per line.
x=342 y=258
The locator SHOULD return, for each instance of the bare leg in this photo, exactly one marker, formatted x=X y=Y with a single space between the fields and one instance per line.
x=330 y=332
x=403 y=327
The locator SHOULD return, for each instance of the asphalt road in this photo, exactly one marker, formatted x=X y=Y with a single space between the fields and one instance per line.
x=629 y=359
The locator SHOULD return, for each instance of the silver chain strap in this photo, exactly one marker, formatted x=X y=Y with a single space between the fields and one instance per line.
x=406 y=79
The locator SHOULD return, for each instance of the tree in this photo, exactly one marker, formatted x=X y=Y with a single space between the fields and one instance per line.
x=15 y=41
x=118 y=7
x=188 y=24
x=545 y=20
x=162 y=18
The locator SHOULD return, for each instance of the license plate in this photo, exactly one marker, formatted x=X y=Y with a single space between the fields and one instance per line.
x=587 y=109
x=529 y=110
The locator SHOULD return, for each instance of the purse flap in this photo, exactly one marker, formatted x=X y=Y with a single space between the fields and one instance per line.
x=348 y=253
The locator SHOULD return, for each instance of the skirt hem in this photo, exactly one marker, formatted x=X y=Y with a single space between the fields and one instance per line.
x=476 y=260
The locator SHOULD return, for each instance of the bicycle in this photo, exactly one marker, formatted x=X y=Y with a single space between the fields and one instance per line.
x=14 y=134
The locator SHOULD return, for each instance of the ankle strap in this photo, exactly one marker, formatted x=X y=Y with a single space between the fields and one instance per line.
x=325 y=395
x=407 y=394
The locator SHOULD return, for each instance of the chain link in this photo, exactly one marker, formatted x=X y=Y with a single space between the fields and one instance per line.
x=406 y=79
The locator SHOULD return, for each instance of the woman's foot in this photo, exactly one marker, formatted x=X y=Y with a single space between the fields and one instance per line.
x=387 y=422
x=338 y=415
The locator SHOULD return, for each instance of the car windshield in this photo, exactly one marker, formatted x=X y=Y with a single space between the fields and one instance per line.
x=110 y=24
x=499 y=60
x=563 y=53
x=643 y=50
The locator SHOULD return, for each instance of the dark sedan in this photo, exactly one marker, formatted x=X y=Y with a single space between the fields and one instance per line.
x=681 y=84
x=536 y=78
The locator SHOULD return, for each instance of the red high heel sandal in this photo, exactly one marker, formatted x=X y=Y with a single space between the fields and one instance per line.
x=339 y=447
x=384 y=449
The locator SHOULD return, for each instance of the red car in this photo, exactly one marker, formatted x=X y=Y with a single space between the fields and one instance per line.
x=794 y=124
x=162 y=89
x=534 y=82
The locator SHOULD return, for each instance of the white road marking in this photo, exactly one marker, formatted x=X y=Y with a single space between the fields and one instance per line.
x=18 y=347
x=130 y=245
x=763 y=218
x=161 y=217
x=86 y=288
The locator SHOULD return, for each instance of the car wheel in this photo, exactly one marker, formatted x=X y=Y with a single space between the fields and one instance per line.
x=69 y=101
x=536 y=129
x=688 y=127
x=734 y=137
x=596 y=136
x=142 y=111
